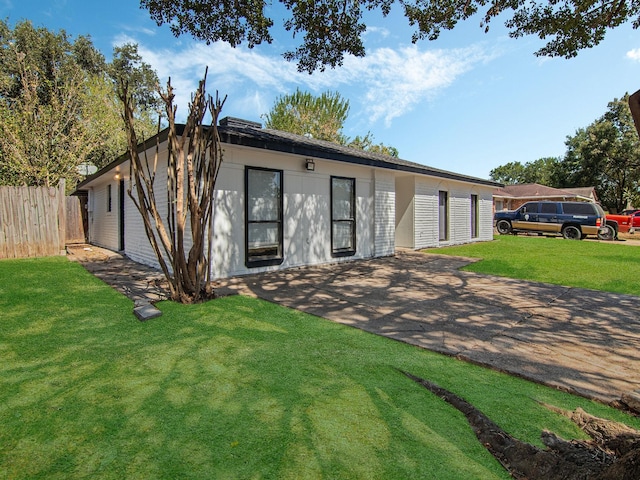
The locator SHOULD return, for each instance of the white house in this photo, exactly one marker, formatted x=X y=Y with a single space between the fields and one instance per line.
x=284 y=200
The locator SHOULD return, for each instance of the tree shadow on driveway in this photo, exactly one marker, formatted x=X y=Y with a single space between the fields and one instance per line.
x=583 y=341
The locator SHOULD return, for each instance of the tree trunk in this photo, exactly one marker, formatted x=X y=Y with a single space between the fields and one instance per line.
x=193 y=163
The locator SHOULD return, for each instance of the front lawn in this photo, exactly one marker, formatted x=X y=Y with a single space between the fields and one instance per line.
x=235 y=388
x=607 y=266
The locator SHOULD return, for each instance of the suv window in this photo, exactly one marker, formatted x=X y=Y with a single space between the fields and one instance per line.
x=582 y=208
x=548 y=208
x=531 y=207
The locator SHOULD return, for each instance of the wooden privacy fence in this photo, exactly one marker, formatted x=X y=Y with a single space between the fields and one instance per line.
x=32 y=221
x=76 y=221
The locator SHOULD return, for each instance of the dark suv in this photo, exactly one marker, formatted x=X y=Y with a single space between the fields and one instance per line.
x=572 y=220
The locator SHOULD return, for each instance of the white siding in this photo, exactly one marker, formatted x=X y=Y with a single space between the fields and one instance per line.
x=103 y=224
x=405 y=206
x=426 y=213
x=485 y=213
x=136 y=243
x=459 y=214
x=306 y=214
x=392 y=209
x=426 y=221
x=385 y=213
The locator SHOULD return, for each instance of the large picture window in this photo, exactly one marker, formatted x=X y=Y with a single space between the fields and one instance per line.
x=343 y=216
x=263 y=217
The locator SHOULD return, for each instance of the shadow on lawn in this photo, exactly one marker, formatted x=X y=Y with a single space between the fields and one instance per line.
x=233 y=388
x=242 y=388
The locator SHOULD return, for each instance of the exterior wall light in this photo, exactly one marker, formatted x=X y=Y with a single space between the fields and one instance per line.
x=310 y=165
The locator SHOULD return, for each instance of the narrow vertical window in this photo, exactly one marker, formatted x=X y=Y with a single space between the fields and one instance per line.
x=263 y=217
x=443 y=216
x=109 y=198
x=474 y=216
x=343 y=216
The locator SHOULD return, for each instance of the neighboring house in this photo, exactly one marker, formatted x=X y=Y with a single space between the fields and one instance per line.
x=326 y=203
x=510 y=197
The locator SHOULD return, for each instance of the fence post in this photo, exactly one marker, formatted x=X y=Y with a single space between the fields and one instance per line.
x=62 y=217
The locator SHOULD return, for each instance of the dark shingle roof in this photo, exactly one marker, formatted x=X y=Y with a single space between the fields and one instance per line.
x=286 y=142
x=250 y=134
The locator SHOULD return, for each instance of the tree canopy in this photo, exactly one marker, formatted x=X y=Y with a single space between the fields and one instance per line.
x=320 y=117
x=331 y=29
x=543 y=171
x=302 y=113
x=58 y=105
x=605 y=155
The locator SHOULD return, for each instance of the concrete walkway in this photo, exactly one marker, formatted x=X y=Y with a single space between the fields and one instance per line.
x=582 y=341
x=143 y=285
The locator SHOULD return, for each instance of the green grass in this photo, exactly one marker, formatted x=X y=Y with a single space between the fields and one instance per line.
x=610 y=267
x=235 y=388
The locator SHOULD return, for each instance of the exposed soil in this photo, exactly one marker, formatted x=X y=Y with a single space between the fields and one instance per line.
x=613 y=453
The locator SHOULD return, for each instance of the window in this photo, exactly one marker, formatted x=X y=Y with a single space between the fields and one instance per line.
x=474 y=216
x=585 y=208
x=109 y=199
x=343 y=216
x=443 y=216
x=530 y=207
x=263 y=217
x=548 y=207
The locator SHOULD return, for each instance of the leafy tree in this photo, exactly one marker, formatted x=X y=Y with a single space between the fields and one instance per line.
x=142 y=82
x=141 y=79
x=543 y=171
x=332 y=28
x=320 y=117
x=366 y=143
x=606 y=154
x=304 y=114
x=42 y=104
x=510 y=174
x=58 y=107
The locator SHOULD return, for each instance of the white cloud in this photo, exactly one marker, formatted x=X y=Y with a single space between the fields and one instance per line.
x=385 y=84
x=382 y=32
x=395 y=81
x=634 y=54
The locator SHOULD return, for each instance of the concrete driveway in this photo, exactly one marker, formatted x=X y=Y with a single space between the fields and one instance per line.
x=583 y=341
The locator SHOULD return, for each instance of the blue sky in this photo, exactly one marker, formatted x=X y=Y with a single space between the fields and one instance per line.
x=467 y=102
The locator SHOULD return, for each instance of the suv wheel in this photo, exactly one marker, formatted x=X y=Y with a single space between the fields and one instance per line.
x=503 y=227
x=571 y=232
x=608 y=234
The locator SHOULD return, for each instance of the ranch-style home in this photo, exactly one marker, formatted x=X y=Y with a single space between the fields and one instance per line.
x=285 y=200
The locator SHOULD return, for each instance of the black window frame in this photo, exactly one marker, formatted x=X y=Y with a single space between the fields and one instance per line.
x=344 y=252
x=253 y=261
x=109 y=198
x=475 y=214
x=443 y=215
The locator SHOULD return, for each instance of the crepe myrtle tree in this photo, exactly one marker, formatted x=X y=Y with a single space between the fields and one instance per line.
x=332 y=28
x=181 y=240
